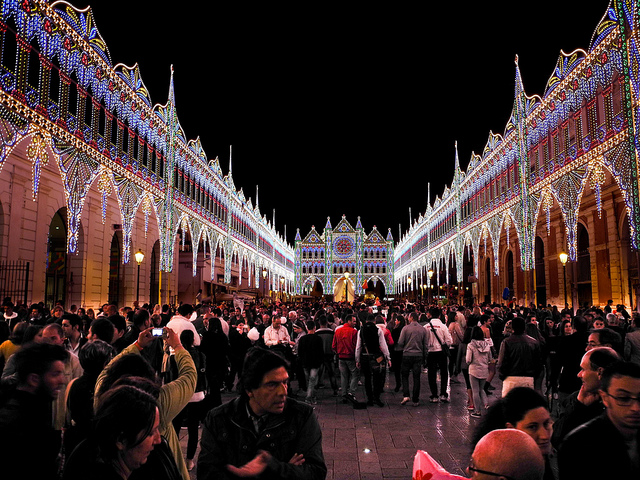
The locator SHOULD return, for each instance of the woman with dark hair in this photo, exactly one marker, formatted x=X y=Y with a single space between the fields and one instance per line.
x=173 y=395
x=526 y=410
x=5 y=332
x=299 y=331
x=192 y=412
x=455 y=329
x=93 y=356
x=532 y=329
x=463 y=366
x=125 y=431
x=396 y=352
x=478 y=356
x=13 y=343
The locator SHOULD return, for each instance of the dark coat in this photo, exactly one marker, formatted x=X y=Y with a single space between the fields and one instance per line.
x=311 y=351
x=27 y=435
x=519 y=357
x=229 y=437
x=609 y=457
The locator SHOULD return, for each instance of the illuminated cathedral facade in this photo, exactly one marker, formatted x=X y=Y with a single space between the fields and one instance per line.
x=344 y=262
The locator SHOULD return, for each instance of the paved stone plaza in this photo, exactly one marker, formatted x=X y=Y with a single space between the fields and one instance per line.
x=391 y=435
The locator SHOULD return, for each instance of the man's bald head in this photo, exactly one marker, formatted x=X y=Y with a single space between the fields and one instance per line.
x=508 y=452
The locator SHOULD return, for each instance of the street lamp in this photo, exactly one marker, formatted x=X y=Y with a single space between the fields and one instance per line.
x=408 y=286
x=563 y=258
x=264 y=282
x=281 y=288
x=430 y=273
x=139 y=258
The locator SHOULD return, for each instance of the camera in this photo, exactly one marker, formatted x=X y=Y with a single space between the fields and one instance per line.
x=157 y=332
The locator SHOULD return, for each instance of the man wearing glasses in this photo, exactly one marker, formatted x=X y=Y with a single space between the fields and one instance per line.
x=615 y=434
x=506 y=454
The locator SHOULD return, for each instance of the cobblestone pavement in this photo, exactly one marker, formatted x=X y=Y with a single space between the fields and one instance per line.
x=381 y=442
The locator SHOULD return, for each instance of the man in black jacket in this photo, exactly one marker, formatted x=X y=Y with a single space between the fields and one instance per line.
x=311 y=357
x=519 y=360
x=263 y=433
x=616 y=432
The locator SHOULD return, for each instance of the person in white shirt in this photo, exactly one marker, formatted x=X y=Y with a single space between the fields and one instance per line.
x=276 y=334
x=439 y=340
x=181 y=322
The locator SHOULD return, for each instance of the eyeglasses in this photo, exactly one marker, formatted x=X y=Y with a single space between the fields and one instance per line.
x=471 y=468
x=625 y=401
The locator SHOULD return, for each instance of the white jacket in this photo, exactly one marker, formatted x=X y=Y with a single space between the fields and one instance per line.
x=441 y=331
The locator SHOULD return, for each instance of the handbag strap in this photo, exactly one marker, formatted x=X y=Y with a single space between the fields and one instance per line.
x=436 y=334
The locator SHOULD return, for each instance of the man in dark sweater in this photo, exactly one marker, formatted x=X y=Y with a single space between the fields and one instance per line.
x=25 y=413
x=311 y=356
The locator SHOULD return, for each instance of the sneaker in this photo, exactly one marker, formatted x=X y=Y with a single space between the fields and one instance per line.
x=434 y=400
x=405 y=400
x=416 y=404
x=444 y=398
x=475 y=414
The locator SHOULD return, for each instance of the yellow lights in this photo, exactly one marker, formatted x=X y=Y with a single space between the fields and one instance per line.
x=139 y=256
x=563 y=258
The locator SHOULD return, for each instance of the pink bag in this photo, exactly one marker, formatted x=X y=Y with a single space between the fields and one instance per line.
x=426 y=468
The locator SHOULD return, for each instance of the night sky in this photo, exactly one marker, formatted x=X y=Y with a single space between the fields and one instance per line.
x=343 y=111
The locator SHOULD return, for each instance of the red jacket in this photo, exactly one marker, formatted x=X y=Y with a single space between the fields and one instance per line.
x=344 y=342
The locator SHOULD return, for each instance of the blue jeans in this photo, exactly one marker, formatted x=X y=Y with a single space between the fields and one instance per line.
x=312 y=381
x=413 y=365
x=477 y=389
x=349 y=376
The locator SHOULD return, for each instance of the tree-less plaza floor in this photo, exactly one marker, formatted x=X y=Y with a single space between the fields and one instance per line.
x=381 y=442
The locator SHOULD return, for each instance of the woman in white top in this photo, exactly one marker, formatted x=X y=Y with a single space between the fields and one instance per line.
x=478 y=356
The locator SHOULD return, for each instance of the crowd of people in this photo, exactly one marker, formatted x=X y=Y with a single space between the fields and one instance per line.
x=107 y=392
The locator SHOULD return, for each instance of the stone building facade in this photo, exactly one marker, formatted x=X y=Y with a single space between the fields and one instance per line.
x=94 y=172
x=562 y=178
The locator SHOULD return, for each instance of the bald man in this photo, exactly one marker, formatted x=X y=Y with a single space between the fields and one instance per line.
x=507 y=453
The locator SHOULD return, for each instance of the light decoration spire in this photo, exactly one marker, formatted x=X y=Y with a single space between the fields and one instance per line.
x=519 y=114
x=166 y=257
